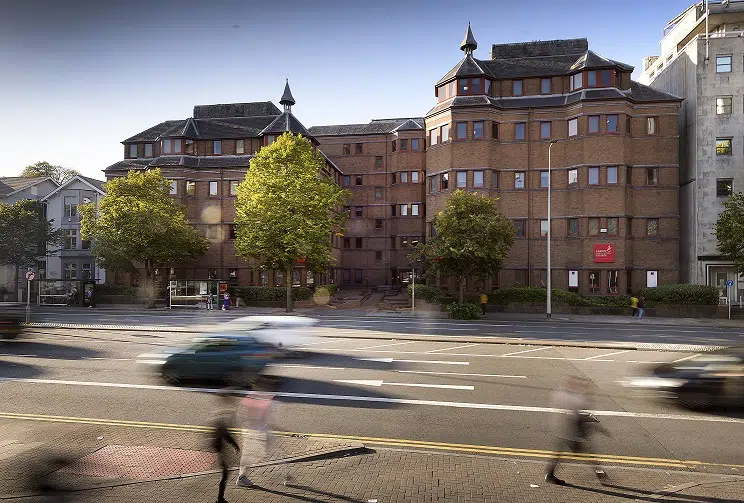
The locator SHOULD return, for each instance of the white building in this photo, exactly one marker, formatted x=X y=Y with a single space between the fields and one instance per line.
x=702 y=61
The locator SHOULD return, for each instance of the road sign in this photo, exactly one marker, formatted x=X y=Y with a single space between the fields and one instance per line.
x=730 y=282
x=30 y=275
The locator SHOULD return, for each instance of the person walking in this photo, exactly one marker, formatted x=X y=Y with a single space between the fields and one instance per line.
x=221 y=440
x=634 y=305
x=210 y=301
x=573 y=428
x=641 y=307
x=483 y=302
x=226 y=301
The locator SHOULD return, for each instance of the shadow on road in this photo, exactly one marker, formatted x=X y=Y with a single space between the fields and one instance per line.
x=46 y=350
x=19 y=370
x=633 y=494
x=324 y=496
x=321 y=359
x=331 y=389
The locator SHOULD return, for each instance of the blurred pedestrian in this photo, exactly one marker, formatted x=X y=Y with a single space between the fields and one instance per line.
x=574 y=425
x=641 y=307
x=221 y=440
x=634 y=305
x=226 y=301
x=483 y=302
x=210 y=301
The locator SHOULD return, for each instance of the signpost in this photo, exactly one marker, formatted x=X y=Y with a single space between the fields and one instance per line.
x=729 y=285
x=30 y=275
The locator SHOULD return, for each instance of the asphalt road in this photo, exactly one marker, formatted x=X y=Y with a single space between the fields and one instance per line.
x=389 y=325
x=482 y=395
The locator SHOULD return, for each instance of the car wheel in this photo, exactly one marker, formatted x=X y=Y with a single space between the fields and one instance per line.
x=241 y=379
x=171 y=377
x=695 y=400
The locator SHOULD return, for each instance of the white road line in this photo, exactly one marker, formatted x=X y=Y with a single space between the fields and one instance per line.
x=526 y=351
x=296 y=366
x=406 y=401
x=316 y=343
x=457 y=374
x=385 y=345
x=378 y=382
x=19 y=355
x=607 y=354
x=456 y=347
x=391 y=360
x=686 y=358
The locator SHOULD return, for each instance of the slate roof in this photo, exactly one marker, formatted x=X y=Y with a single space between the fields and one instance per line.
x=96 y=183
x=223 y=110
x=378 y=126
x=207 y=129
x=10 y=184
x=286 y=122
x=188 y=161
x=591 y=59
x=467 y=67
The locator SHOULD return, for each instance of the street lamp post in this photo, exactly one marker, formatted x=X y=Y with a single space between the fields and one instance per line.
x=549 y=307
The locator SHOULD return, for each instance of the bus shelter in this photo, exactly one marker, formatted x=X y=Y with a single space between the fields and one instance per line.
x=64 y=292
x=194 y=292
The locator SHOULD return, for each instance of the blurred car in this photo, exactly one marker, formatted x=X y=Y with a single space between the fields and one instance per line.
x=714 y=379
x=232 y=359
x=285 y=333
x=12 y=314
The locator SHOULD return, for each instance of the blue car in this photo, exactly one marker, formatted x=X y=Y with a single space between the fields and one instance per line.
x=234 y=360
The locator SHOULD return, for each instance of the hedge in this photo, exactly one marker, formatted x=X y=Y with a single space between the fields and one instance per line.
x=681 y=294
x=463 y=311
x=504 y=296
x=428 y=293
x=270 y=293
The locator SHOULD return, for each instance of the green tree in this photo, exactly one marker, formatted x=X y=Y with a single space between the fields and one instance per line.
x=287 y=209
x=137 y=222
x=729 y=230
x=26 y=234
x=472 y=239
x=44 y=169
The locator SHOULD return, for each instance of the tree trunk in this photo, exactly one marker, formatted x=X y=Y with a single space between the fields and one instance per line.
x=17 y=280
x=462 y=290
x=288 y=278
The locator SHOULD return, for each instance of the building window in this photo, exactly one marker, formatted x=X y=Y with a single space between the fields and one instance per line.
x=495 y=130
x=177 y=146
x=628 y=129
x=393 y=242
x=432 y=137
x=378 y=192
x=545 y=86
x=240 y=146
x=612 y=175
x=651 y=125
x=612 y=123
x=173 y=187
x=233 y=231
x=723 y=146
x=85 y=244
x=347 y=243
x=347 y=148
x=378 y=224
x=612 y=226
x=346 y=181
x=544 y=130
x=393 y=209
x=652 y=227
x=543 y=228
x=212 y=188
x=358 y=211
x=432 y=184
x=217 y=147
x=462 y=130
x=494 y=179
x=478 y=130
x=519 y=179
x=234 y=187
x=723 y=64
x=594 y=176
x=593 y=281
x=133 y=150
x=404 y=144
x=378 y=161
x=462 y=179
x=520 y=277
x=414 y=144
x=573 y=227
x=167 y=147
x=724 y=105
x=519 y=226
x=414 y=177
x=394 y=145
x=404 y=210
x=444 y=133
x=71 y=206
x=576 y=81
x=415 y=210
x=594 y=123
x=573 y=176
x=357 y=148
x=190 y=188
x=445 y=181
x=358 y=243
x=378 y=255
x=478 y=179
x=724 y=187
x=652 y=176
x=70 y=239
x=519 y=130
x=148 y=149
x=517 y=88
x=358 y=179
x=573 y=127
x=462 y=86
x=612 y=281
x=593 y=226
x=70 y=271
x=544 y=179
x=476 y=86
x=591 y=79
x=270 y=139
x=404 y=177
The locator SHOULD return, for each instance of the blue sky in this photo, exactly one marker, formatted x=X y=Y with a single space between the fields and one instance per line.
x=79 y=76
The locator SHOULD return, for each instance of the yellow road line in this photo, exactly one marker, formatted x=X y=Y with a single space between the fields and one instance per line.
x=443 y=446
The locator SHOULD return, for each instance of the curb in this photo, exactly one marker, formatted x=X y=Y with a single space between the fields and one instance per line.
x=332 y=452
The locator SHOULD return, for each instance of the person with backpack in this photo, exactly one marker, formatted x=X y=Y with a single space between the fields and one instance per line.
x=641 y=307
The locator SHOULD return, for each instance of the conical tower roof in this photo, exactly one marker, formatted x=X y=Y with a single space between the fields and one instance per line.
x=469 y=44
x=287 y=98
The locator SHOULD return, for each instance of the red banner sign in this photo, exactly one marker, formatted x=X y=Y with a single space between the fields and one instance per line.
x=604 y=253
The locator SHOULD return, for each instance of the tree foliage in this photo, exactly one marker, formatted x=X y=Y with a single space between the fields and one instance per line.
x=137 y=222
x=729 y=230
x=287 y=209
x=472 y=239
x=43 y=169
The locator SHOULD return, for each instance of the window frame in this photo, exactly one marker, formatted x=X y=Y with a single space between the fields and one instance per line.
x=570 y=221
x=378 y=161
x=415 y=210
x=720 y=67
x=464 y=175
x=482 y=135
x=358 y=180
x=433 y=136
x=520 y=176
x=148 y=147
x=415 y=145
x=518 y=85
x=592 y=220
x=240 y=147
x=590 y=171
x=192 y=185
x=520 y=227
x=173 y=187
x=403 y=144
x=727 y=151
x=617 y=123
x=544 y=177
x=612 y=169
x=573 y=124
x=591 y=119
x=444 y=181
x=216 y=185
x=517 y=127
x=549 y=82
x=482 y=183
x=358 y=149
x=617 y=226
x=730 y=189
x=543 y=125
x=652 y=177
x=415 y=177
x=575 y=173
x=133 y=146
x=217 y=147
x=403 y=178
x=460 y=134
x=444 y=133
x=649 y=225
x=379 y=193
x=543 y=228
x=652 y=126
x=722 y=106
x=70 y=209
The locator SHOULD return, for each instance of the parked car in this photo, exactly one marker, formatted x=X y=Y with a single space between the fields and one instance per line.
x=285 y=333
x=12 y=314
x=714 y=379
x=231 y=359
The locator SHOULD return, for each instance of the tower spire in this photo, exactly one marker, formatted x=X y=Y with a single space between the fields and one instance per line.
x=469 y=44
x=287 y=99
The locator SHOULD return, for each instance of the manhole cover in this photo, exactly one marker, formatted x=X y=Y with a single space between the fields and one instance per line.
x=140 y=462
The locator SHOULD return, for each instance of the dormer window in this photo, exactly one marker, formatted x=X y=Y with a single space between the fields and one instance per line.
x=577 y=81
x=217 y=147
x=148 y=149
x=475 y=86
x=462 y=86
x=172 y=146
x=517 y=88
x=133 y=150
x=592 y=78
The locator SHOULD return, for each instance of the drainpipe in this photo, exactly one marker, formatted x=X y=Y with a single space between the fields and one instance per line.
x=707 y=30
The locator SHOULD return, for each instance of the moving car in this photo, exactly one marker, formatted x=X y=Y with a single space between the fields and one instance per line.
x=232 y=359
x=283 y=332
x=12 y=314
x=714 y=379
